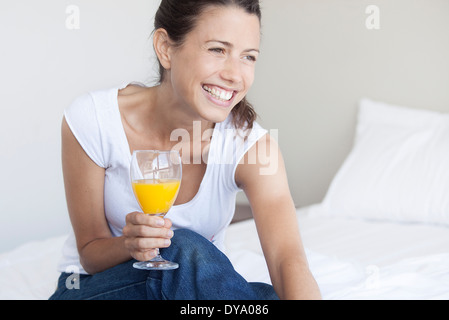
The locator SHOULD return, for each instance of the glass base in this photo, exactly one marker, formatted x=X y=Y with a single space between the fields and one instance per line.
x=157 y=263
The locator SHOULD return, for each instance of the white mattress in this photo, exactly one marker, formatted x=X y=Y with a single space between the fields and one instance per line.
x=350 y=259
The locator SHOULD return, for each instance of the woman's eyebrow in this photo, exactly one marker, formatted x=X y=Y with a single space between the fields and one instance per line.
x=230 y=45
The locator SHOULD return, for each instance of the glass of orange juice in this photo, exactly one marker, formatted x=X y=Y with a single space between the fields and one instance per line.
x=156 y=178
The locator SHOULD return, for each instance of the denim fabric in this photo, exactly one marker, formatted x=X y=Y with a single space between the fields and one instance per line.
x=204 y=273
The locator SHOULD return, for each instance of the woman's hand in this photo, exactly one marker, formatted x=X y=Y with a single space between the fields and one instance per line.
x=145 y=233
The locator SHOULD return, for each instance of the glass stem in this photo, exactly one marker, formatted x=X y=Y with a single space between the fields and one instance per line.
x=158 y=256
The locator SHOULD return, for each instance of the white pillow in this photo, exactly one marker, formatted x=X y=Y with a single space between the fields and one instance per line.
x=398 y=168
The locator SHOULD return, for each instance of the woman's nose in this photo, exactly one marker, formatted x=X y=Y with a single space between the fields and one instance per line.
x=232 y=70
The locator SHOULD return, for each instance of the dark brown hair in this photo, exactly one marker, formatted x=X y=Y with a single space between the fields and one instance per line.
x=178 y=18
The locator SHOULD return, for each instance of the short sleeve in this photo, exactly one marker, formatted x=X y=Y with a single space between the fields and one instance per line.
x=238 y=143
x=82 y=118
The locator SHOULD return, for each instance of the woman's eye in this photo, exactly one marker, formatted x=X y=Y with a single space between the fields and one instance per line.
x=217 y=50
x=251 y=58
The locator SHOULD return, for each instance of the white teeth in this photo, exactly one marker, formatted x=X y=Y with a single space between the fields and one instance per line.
x=219 y=94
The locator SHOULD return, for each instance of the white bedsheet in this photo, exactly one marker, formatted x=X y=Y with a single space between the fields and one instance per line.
x=29 y=271
x=350 y=259
x=356 y=259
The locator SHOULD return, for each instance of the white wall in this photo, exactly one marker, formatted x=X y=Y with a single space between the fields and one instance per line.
x=318 y=58
x=43 y=67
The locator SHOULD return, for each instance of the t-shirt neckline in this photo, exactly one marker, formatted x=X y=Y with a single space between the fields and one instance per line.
x=127 y=149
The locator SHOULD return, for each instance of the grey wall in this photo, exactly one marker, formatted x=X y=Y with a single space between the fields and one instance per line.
x=319 y=58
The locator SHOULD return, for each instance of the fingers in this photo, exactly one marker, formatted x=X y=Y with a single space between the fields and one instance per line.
x=145 y=219
x=144 y=255
x=143 y=249
x=146 y=244
x=143 y=233
x=143 y=225
x=150 y=243
x=149 y=220
x=147 y=231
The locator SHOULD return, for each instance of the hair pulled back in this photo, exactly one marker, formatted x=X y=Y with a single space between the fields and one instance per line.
x=178 y=18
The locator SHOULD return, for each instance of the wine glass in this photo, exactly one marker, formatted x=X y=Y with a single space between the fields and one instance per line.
x=156 y=178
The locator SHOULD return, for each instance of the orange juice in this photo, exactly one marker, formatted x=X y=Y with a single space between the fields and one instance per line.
x=156 y=196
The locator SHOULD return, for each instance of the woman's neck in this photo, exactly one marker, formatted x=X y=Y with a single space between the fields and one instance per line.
x=171 y=115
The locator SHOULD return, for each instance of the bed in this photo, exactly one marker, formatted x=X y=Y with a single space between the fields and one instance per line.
x=358 y=260
x=350 y=259
x=381 y=232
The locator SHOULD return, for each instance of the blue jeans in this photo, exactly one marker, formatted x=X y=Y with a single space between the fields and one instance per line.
x=204 y=273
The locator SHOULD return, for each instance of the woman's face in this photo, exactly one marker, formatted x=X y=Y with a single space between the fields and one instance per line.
x=214 y=68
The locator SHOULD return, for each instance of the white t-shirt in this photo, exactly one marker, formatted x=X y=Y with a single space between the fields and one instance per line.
x=94 y=119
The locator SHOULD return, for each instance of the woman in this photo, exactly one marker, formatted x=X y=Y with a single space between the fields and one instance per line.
x=207 y=50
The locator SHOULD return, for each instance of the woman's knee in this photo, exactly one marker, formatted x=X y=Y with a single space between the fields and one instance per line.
x=191 y=245
x=187 y=235
x=186 y=238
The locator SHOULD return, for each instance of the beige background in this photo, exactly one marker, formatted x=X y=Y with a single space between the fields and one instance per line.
x=318 y=58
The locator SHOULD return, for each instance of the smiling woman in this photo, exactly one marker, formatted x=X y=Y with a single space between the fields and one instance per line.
x=207 y=52
x=179 y=18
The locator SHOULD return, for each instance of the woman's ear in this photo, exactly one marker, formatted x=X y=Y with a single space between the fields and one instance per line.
x=161 y=43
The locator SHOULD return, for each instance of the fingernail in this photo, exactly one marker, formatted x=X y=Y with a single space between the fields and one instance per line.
x=167 y=242
x=160 y=222
x=170 y=233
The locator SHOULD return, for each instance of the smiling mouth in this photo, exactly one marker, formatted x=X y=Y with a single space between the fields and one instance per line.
x=219 y=93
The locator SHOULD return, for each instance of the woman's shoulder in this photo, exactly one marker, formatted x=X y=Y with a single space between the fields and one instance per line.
x=131 y=96
x=244 y=133
x=132 y=88
x=91 y=100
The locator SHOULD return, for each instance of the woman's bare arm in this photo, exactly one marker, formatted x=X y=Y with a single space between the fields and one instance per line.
x=266 y=186
x=84 y=187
